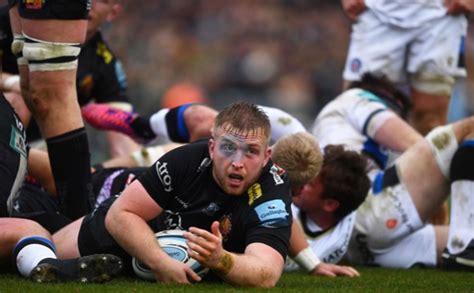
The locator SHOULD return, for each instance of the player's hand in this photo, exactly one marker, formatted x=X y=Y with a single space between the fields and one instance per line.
x=353 y=8
x=206 y=247
x=459 y=6
x=332 y=270
x=170 y=270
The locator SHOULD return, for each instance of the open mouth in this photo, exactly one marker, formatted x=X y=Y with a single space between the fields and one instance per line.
x=235 y=179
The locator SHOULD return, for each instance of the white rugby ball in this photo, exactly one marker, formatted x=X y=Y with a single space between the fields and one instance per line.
x=174 y=244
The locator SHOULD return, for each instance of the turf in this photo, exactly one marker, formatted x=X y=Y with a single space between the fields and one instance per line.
x=371 y=280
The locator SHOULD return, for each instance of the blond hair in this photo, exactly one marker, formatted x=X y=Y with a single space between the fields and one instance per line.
x=300 y=155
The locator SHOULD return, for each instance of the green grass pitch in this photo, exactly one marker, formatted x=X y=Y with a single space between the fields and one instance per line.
x=371 y=280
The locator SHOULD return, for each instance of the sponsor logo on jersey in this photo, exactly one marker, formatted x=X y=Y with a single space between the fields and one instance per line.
x=225 y=225
x=272 y=214
x=254 y=192
x=277 y=172
x=356 y=64
x=104 y=52
x=172 y=220
x=33 y=4
x=391 y=223
x=211 y=209
x=17 y=141
x=164 y=176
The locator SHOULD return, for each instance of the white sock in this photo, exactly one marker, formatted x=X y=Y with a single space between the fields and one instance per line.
x=461 y=226
x=30 y=256
x=158 y=124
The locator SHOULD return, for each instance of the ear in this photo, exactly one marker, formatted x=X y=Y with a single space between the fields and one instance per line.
x=330 y=205
x=211 y=146
x=116 y=10
x=268 y=154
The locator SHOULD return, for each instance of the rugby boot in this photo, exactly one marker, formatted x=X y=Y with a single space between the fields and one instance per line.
x=97 y=268
x=463 y=261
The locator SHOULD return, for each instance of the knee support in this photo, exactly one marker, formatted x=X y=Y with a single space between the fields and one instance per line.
x=50 y=56
x=17 y=49
x=433 y=83
x=444 y=144
x=462 y=165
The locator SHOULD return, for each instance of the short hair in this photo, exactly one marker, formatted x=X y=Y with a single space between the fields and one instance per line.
x=344 y=178
x=386 y=91
x=300 y=155
x=243 y=116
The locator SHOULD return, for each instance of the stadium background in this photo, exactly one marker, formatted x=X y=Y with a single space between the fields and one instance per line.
x=284 y=53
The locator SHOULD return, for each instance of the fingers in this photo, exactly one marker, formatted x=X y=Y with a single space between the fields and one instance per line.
x=215 y=229
x=347 y=271
x=192 y=276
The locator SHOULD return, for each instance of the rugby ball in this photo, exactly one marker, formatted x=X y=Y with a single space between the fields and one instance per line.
x=174 y=244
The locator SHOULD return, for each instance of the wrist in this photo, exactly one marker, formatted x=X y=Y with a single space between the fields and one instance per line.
x=307 y=259
x=225 y=264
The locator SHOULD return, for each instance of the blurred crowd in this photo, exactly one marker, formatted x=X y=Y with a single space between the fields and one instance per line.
x=285 y=53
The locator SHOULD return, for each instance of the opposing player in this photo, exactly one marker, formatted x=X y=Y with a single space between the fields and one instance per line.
x=389 y=227
x=420 y=44
x=368 y=118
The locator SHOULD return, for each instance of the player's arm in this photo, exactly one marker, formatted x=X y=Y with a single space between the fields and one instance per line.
x=375 y=120
x=307 y=259
x=126 y=222
x=353 y=8
x=259 y=266
x=39 y=167
x=396 y=134
x=459 y=6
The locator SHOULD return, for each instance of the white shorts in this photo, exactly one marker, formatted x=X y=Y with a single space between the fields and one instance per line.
x=418 y=248
x=383 y=48
x=385 y=218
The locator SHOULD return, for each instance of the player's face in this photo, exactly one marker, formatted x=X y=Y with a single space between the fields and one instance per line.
x=101 y=11
x=238 y=158
x=308 y=198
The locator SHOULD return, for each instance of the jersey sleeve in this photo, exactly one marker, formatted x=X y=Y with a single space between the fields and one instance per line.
x=269 y=217
x=111 y=85
x=365 y=111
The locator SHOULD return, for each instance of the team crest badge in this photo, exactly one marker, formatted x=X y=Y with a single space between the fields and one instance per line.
x=225 y=226
x=33 y=4
x=391 y=223
x=356 y=64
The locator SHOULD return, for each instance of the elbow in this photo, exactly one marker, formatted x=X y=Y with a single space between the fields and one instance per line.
x=267 y=279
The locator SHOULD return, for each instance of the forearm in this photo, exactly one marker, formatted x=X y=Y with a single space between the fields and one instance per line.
x=134 y=235
x=396 y=135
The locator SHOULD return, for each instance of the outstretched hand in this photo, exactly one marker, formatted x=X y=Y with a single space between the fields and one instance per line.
x=206 y=248
x=332 y=270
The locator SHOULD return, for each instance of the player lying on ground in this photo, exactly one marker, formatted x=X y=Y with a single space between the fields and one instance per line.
x=389 y=228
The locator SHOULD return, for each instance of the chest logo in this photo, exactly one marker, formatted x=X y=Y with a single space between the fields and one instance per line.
x=164 y=176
